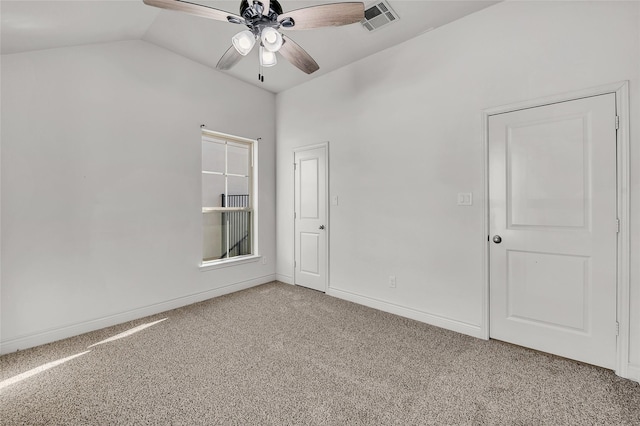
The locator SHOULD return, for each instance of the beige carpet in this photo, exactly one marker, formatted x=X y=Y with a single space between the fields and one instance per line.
x=278 y=354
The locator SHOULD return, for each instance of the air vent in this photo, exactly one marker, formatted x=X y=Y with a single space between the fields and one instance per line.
x=378 y=15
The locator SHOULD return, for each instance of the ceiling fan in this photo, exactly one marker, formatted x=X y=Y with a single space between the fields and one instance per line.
x=264 y=20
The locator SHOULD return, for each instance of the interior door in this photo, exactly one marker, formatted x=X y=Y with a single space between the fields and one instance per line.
x=311 y=218
x=553 y=225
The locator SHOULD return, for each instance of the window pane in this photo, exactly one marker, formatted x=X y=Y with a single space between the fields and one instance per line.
x=226 y=182
x=238 y=185
x=212 y=190
x=213 y=157
x=214 y=242
x=239 y=225
x=238 y=159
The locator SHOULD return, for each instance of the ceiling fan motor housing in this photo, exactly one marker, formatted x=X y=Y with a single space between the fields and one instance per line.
x=248 y=12
x=255 y=20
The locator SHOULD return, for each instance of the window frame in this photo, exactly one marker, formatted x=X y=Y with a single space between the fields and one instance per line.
x=210 y=136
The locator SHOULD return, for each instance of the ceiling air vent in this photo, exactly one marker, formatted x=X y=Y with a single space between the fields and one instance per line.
x=378 y=15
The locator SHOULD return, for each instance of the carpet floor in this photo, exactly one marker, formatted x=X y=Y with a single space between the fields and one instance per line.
x=283 y=355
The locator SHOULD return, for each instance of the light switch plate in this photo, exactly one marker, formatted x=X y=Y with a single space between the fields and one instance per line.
x=465 y=199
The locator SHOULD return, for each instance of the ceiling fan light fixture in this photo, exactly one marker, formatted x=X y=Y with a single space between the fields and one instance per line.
x=267 y=58
x=264 y=20
x=243 y=42
x=271 y=39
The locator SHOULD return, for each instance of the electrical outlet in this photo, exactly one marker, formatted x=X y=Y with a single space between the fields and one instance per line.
x=392 y=281
x=264 y=260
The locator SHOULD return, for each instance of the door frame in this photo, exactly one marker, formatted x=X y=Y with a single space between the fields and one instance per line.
x=296 y=150
x=621 y=90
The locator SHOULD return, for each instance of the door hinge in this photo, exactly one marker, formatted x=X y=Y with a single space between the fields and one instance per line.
x=295 y=264
x=295 y=215
x=617 y=122
x=295 y=165
x=617 y=328
x=617 y=226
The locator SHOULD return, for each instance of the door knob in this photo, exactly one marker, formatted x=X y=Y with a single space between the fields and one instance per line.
x=321 y=226
x=497 y=239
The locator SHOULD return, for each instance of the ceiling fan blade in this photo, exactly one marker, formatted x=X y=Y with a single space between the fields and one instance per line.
x=266 y=4
x=229 y=59
x=325 y=15
x=295 y=54
x=194 y=9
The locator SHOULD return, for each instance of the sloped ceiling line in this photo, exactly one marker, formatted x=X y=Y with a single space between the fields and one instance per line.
x=37 y=25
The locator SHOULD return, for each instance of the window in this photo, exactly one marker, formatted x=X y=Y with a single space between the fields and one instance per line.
x=228 y=197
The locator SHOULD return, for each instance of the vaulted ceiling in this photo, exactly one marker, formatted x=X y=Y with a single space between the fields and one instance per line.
x=37 y=25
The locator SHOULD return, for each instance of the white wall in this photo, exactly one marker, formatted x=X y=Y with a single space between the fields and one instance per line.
x=101 y=213
x=405 y=135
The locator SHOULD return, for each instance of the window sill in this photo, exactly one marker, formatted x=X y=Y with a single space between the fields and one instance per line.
x=217 y=264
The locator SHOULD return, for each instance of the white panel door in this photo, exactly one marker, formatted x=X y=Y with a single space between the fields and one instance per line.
x=311 y=219
x=553 y=225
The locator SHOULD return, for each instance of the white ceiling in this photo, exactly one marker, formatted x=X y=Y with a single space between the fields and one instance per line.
x=36 y=25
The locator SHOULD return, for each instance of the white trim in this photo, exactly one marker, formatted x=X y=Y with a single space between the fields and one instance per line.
x=485 y=321
x=621 y=90
x=554 y=99
x=226 y=209
x=54 y=334
x=310 y=147
x=287 y=279
x=624 y=288
x=403 y=311
x=227 y=137
x=224 y=263
x=324 y=145
x=255 y=195
x=633 y=372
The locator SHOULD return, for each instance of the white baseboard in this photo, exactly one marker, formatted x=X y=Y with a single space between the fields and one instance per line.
x=51 y=335
x=284 y=278
x=438 y=321
x=633 y=372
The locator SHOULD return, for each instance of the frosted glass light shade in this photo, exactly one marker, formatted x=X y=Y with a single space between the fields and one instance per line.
x=271 y=39
x=243 y=42
x=267 y=58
